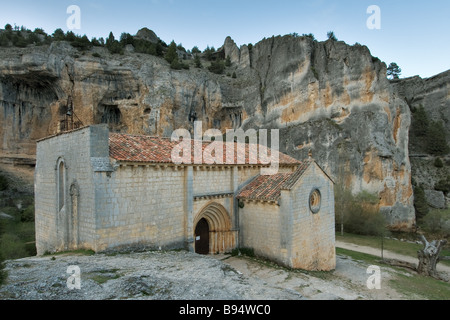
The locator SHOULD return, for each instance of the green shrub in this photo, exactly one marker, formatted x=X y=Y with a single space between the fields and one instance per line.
x=58 y=35
x=358 y=214
x=81 y=43
x=228 y=62
x=4 y=183
x=436 y=139
x=33 y=38
x=177 y=65
x=171 y=54
x=4 y=41
x=364 y=221
x=217 y=67
x=420 y=122
x=197 y=61
x=208 y=52
x=115 y=48
x=12 y=247
x=443 y=185
x=420 y=203
x=40 y=31
x=438 y=163
x=311 y=36
x=27 y=214
x=437 y=221
x=19 y=41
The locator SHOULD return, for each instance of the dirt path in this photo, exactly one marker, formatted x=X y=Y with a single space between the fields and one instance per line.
x=387 y=254
x=347 y=282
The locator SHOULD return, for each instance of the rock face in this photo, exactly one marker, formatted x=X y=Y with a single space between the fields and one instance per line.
x=431 y=93
x=148 y=35
x=435 y=199
x=327 y=97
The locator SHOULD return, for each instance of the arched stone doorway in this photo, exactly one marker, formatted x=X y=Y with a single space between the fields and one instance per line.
x=202 y=237
x=215 y=219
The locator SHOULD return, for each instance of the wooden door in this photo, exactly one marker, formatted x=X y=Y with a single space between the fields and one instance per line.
x=202 y=237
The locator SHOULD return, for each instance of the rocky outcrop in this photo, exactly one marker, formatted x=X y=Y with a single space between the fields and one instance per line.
x=433 y=94
x=328 y=97
x=335 y=100
x=435 y=199
x=147 y=35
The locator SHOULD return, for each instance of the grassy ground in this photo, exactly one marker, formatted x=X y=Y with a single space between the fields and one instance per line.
x=407 y=282
x=17 y=228
x=397 y=246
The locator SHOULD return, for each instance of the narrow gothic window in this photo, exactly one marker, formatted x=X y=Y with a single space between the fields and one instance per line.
x=61 y=185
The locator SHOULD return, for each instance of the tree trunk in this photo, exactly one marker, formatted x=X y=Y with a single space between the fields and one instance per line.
x=429 y=257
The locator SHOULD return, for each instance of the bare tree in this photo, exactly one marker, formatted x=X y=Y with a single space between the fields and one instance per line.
x=429 y=257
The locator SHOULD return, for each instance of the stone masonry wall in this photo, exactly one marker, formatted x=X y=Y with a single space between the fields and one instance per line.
x=260 y=229
x=58 y=230
x=140 y=205
x=312 y=243
x=210 y=181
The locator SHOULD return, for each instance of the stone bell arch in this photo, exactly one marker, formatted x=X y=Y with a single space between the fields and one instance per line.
x=222 y=238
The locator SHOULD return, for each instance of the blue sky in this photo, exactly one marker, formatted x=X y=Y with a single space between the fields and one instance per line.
x=415 y=34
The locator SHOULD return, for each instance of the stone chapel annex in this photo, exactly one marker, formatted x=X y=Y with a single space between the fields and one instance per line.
x=106 y=191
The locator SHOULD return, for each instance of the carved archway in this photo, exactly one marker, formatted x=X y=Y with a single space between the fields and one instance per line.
x=221 y=236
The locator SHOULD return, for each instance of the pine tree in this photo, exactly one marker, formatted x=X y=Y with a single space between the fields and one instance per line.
x=171 y=54
x=113 y=45
x=331 y=36
x=197 y=61
x=110 y=40
x=394 y=71
x=59 y=35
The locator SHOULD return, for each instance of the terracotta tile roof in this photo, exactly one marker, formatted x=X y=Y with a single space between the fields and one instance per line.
x=293 y=178
x=146 y=149
x=123 y=147
x=268 y=188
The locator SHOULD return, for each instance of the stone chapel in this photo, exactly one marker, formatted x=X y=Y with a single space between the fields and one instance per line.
x=104 y=191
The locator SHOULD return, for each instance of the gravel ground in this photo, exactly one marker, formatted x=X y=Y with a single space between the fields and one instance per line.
x=181 y=275
x=151 y=275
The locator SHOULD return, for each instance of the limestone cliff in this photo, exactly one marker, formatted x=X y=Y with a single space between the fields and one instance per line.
x=433 y=94
x=328 y=96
